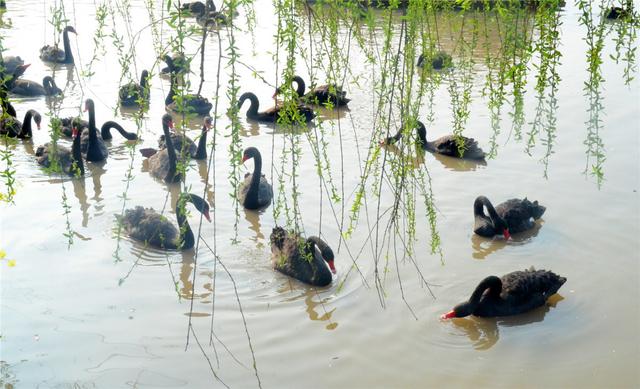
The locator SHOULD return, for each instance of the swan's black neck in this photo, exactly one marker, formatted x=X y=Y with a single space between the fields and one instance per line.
x=252 y=112
x=143 y=81
x=422 y=134
x=172 y=92
x=76 y=155
x=186 y=239
x=201 y=152
x=49 y=86
x=493 y=283
x=171 y=152
x=105 y=131
x=325 y=250
x=4 y=98
x=478 y=208
x=93 y=131
x=26 y=131
x=300 y=85
x=68 y=57
x=257 y=172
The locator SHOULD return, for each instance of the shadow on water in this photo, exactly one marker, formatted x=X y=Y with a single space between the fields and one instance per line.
x=483 y=247
x=484 y=333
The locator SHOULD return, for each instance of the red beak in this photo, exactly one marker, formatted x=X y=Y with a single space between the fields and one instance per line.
x=332 y=266
x=74 y=132
x=448 y=315
x=171 y=124
x=244 y=158
x=506 y=233
x=206 y=216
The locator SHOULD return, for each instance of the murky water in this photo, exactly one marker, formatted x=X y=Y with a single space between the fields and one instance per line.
x=109 y=313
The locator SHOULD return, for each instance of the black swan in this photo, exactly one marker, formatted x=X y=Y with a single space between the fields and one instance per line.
x=440 y=60
x=255 y=192
x=132 y=94
x=621 y=12
x=163 y=164
x=176 y=64
x=93 y=145
x=183 y=143
x=191 y=103
x=198 y=7
x=54 y=54
x=298 y=258
x=11 y=62
x=507 y=218
x=324 y=95
x=31 y=88
x=67 y=124
x=150 y=227
x=273 y=114
x=514 y=293
x=11 y=127
x=69 y=161
x=445 y=145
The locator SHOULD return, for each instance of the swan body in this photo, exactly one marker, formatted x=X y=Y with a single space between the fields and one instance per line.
x=183 y=143
x=445 y=145
x=11 y=62
x=163 y=163
x=326 y=95
x=55 y=54
x=147 y=225
x=510 y=217
x=132 y=94
x=193 y=103
x=440 y=60
x=70 y=161
x=304 y=260
x=176 y=64
x=255 y=192
x=273 y=114
x=31 y=88
x=13 y=128
x=512 y=294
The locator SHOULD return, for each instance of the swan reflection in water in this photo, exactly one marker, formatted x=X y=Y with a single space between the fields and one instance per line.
x=186 y=277
x=450 y=163
x=484 y=333
x=203 y=165
x=253 y=217
x=317 y=307
x=483 y=247
x=249 y=128
x=458 y=164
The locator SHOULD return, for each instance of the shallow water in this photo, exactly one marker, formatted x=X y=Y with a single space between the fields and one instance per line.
x=107 y=312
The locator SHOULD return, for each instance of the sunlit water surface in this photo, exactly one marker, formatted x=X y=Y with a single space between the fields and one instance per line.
x=108 y=313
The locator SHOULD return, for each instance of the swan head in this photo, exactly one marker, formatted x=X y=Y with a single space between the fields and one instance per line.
x=168 y=120
x=70 y=29
x=460 y=310
x=249 y=152
x=88 y=105
x=38 y=119
x=207 y=122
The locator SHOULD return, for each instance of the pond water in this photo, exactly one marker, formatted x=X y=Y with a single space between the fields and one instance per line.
x=107 y=312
